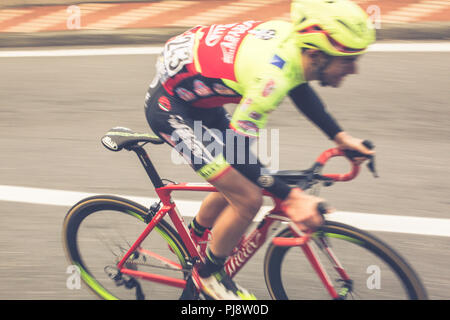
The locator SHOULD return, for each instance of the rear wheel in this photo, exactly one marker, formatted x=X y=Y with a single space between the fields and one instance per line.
x=98 y=231
x=376 y=271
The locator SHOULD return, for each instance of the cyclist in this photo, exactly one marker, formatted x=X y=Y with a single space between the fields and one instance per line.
x=255 y=64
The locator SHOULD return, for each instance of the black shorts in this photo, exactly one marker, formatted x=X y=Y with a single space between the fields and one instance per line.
x=201 y=135
x=205 y=140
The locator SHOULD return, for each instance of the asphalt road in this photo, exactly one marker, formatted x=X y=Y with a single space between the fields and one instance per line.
x=53 y=112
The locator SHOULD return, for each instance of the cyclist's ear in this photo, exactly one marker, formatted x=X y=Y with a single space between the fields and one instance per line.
x=315 y=56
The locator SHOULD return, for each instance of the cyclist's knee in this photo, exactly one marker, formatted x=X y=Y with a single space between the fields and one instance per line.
x=245 y=196
x=250 y=205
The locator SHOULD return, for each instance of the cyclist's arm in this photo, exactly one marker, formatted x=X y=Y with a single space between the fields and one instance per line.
x=254 y=172
x=307 y=101
x=261 y=97
x=262 y=93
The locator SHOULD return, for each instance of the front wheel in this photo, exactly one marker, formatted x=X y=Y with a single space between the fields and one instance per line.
x=98 y=231
x=375 y=270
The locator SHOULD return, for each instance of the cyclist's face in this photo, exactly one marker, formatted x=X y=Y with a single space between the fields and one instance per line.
x=338 y=68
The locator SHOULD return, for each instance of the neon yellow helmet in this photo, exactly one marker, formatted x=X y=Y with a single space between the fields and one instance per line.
x=336 y=27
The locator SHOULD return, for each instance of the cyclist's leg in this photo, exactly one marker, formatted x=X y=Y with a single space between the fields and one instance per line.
x=210 y=209
x=245 y=199
x=202 y=145
x=174 y=122
x=239 y=199
x=159 y=118
x=215 y=203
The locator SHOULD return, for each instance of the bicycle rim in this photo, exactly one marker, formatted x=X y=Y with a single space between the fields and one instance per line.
x=376 y=270
x=99 y=230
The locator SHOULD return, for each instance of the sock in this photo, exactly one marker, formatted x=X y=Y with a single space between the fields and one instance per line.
x=212 y=264
x=199 y=230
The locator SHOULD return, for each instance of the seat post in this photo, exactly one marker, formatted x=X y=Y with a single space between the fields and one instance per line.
x=148 y=166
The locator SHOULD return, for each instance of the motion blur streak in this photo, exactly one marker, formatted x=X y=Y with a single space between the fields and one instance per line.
x=368 y=221
x=379 y=47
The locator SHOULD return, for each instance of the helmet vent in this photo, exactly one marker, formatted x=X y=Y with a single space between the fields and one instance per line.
x=345 y=25
x=312 y=45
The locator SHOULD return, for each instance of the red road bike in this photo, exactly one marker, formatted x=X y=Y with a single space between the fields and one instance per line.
x=124 y=250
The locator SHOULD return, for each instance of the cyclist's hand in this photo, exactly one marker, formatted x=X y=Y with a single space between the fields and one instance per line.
x=346 y=142
x=301 y=208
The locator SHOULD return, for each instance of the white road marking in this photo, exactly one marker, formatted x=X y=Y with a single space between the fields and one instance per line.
x=366 y=221
x=81 y=52
x=377 y=47
x=411 y=47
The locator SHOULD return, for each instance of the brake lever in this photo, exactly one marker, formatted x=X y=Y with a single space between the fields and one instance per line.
x=371 y=164
x=371 y=167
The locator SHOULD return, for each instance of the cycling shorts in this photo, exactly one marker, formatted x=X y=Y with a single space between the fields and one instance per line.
x=202 y=136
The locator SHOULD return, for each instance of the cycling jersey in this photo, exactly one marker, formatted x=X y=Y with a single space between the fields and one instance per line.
x=252 y=63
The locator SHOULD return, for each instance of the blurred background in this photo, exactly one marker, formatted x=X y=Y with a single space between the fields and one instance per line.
x=54 y=108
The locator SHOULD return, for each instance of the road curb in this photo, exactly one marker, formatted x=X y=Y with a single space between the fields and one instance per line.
x=409 y=32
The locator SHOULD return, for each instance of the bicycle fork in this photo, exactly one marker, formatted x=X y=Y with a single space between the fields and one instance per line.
x=303 y=242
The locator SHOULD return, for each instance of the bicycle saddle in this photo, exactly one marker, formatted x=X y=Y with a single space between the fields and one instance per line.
x=118 y=138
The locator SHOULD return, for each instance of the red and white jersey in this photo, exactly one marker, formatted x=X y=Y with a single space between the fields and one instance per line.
x=194 y=63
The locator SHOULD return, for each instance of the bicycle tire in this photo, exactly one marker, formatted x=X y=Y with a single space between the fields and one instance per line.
x=76 y=216
x=275 y=255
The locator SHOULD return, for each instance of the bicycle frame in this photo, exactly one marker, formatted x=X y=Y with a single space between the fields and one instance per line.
x=247 y=248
